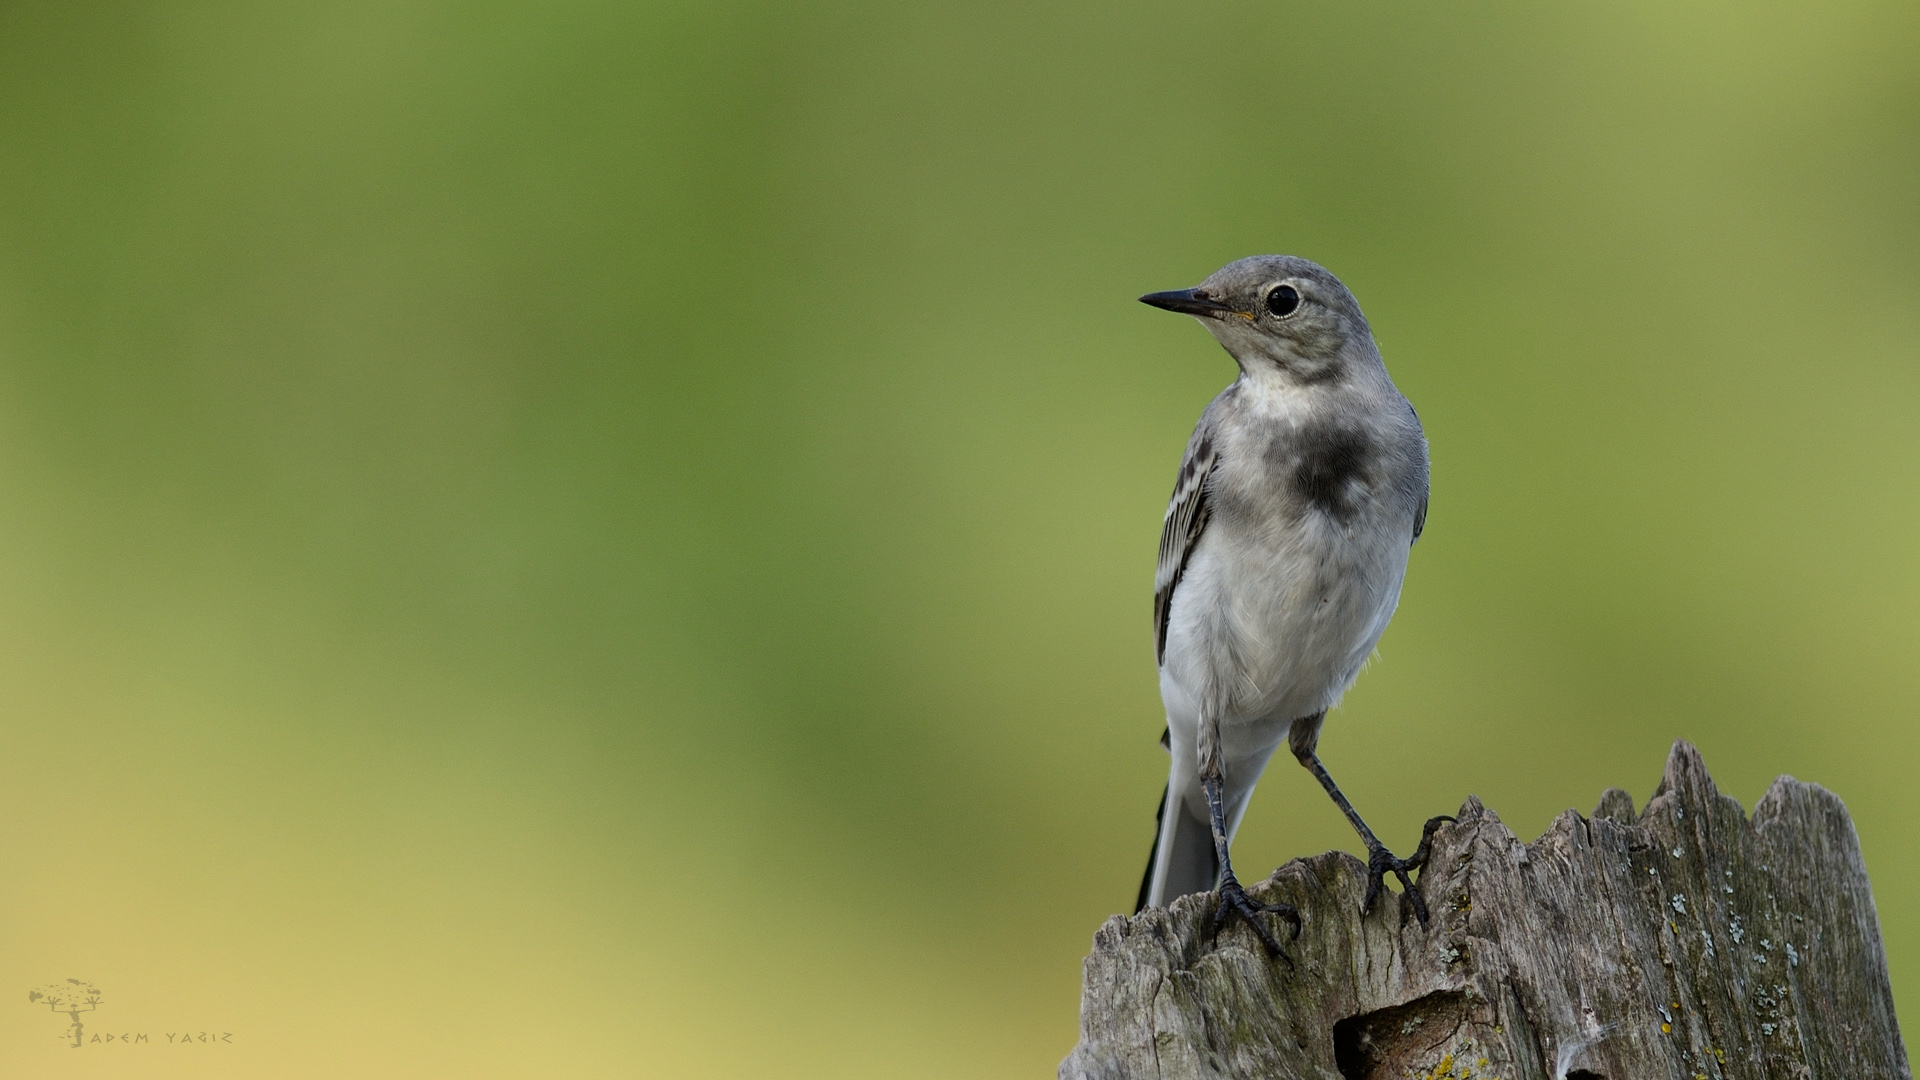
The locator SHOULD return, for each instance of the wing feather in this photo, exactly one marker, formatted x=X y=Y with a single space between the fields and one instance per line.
x=1180 y=532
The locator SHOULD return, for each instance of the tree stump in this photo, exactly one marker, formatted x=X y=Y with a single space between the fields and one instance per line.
x=1686 y=943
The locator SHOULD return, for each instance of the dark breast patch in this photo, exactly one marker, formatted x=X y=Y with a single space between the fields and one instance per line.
x=1332 y=468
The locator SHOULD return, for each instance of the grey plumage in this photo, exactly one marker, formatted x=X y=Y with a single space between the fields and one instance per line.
x=1283 y=550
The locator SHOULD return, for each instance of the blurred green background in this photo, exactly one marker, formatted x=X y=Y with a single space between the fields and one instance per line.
x=603 y=539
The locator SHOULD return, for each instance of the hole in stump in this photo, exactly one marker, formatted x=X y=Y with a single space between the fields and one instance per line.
x=1584 y=1074
x=1399 y=1040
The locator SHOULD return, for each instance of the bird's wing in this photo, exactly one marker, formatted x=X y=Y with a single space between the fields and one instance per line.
x=1420 y=512
x=1186 y=519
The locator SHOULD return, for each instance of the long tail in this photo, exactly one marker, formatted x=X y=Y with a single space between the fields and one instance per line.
x=1153 y=853
x=1182 y=860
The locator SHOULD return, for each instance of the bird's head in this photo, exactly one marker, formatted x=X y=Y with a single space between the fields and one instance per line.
x=1279 y=314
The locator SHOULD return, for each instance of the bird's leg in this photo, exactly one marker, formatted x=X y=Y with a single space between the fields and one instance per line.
x=1234 y=899
x=1303 y=738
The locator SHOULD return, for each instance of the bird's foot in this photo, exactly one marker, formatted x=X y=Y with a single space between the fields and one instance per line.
x=1235 y=901
x=1381 y=862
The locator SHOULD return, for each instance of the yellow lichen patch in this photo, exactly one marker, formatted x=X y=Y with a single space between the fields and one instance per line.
x=1447 y=1068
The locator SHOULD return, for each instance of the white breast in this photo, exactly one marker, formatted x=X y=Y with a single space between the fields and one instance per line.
x=1281 y=602
x=1275 y=623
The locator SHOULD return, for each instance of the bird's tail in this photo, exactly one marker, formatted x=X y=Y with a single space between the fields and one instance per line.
x=1182 y=860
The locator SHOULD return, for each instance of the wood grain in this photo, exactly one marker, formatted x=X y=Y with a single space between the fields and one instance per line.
x=1686 y=942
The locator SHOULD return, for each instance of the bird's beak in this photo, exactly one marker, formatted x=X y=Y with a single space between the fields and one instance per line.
x=1188 y=302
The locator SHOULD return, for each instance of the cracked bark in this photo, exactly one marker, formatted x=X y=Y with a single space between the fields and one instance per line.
x=1685 y=942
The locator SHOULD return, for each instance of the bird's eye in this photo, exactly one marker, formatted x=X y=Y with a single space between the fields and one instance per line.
x=1283 y=301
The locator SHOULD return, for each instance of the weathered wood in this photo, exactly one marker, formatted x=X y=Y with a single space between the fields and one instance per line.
x=1685 y=943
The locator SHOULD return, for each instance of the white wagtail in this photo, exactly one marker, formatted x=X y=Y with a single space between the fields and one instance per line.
x=1302 y=490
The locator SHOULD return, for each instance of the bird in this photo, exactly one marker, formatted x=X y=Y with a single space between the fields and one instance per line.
x=1282 y=554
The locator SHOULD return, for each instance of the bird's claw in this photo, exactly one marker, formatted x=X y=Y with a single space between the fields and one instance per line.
x=1381 y=862
x=1235 y=901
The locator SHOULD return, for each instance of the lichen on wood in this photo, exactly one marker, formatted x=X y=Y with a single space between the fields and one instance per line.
x=1685 y=942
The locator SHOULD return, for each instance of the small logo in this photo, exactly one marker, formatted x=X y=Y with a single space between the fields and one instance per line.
x=72 y=997
x=76 y=996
